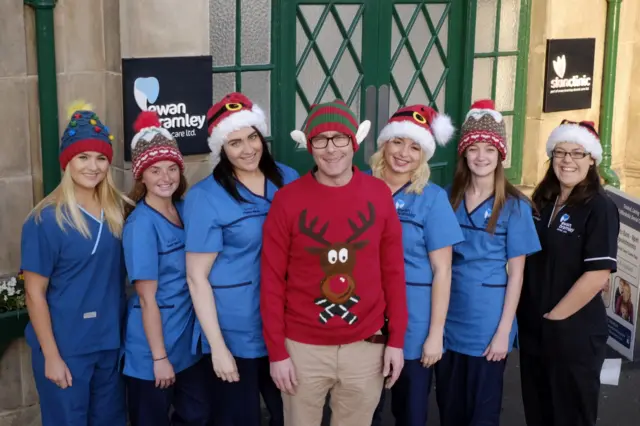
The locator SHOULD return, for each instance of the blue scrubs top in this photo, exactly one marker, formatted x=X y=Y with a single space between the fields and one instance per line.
x=154 y=250
x=479 y=272
x=428 y=224
x=216 y=223
x=86 y=282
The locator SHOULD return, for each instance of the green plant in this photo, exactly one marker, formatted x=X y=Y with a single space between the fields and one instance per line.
x=12 y=295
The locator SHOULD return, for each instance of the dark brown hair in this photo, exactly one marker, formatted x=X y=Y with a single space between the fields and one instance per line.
x=549 y=188
x=139 y=191
x=502 y=190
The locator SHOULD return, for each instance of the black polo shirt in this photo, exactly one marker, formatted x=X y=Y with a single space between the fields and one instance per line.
x=578 y=239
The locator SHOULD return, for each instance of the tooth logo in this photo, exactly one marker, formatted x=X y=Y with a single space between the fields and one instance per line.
x=145 y=91
x=560 y=66
x=487 y=213
x=564 y=218
x=399 y=204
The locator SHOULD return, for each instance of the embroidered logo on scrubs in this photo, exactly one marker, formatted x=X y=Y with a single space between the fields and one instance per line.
x=337 y=261
x=565 y=227
x=399 y=204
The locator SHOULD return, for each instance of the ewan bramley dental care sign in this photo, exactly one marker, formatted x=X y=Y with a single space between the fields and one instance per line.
x=568 y=83
x=179 y=89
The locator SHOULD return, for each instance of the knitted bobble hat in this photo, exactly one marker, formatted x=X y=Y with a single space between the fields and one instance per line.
x=234 y=112
x=484 y=124
x=420 y=123
x=152 y=143
x=331 y=116
x=583 y=133
x=84 y=132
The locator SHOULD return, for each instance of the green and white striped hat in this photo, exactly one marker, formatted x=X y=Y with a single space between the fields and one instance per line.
x=331 y=116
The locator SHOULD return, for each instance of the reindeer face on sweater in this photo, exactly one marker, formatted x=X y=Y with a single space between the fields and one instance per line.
x=337 y=261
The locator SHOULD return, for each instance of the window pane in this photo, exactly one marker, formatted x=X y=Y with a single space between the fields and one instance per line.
x=329 y=40
x=256 y=31
x=257 y=86
x=506 y=83
x=222 y=42
x=486 y=25
x=509 y=24
x=482 y=76
x=223 y=84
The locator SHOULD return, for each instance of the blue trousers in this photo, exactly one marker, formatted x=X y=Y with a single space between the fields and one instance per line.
x=96 y=396
x=469 y=390
x=409 y=396
x=238 y=404
x=150 y=406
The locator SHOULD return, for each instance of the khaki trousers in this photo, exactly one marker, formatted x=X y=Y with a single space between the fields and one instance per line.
x=351 y=373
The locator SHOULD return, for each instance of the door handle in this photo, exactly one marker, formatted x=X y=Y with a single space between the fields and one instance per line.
x=383 y=106
x=370 y=114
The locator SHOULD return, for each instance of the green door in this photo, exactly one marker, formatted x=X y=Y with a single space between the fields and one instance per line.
x=376 y=55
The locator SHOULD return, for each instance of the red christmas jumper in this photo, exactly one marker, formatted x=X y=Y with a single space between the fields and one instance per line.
x=332 y=265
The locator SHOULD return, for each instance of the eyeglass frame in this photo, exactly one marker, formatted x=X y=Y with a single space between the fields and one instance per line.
x=332 y=139
x=572 y=154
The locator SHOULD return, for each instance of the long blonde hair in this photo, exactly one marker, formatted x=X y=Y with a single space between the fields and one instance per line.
x=419 y=177
x=67 y=209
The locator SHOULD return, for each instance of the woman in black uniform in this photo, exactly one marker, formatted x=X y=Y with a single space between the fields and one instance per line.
x=561 y=317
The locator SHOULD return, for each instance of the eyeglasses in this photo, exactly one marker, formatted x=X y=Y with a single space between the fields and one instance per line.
x=576 y=155
x=339 y=141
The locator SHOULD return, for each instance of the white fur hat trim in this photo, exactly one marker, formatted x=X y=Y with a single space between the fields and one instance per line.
x=236 y=121
x=441 y=127
x=148 y=133
x=576 y=134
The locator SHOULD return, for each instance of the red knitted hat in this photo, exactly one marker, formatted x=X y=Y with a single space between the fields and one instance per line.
x=234 y=112
x=420 y=123
x=484 y=124
x=333 y=116
x=151 y=144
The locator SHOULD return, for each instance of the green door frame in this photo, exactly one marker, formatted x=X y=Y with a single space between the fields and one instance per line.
x=375 y=69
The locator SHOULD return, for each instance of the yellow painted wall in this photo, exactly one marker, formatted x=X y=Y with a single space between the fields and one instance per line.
x=564 y=19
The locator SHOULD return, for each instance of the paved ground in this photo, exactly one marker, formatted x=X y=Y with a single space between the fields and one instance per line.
x=619 y=405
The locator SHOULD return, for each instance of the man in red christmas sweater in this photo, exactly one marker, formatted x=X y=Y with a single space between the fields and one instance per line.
x=332 y=269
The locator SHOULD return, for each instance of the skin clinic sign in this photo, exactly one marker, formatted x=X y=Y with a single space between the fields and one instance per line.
x=179 y=89
x=568 y=83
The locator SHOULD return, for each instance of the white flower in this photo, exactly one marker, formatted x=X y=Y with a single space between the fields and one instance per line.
x=5 y=298
x=11 y=292
x=18 y=291
x=13 y=282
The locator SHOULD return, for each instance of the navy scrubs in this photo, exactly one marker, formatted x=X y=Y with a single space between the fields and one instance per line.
x=154 y=251
x=217 y=223
x=561 y=360
x=86 y=303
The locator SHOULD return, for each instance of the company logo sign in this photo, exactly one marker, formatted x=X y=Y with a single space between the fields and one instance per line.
x=569 y=75
x=178 y=89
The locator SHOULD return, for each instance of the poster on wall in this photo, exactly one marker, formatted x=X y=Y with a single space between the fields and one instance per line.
x=621 y=291
x=179 y=89
x=568 y=83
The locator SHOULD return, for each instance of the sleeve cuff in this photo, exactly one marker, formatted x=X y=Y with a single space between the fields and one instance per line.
x=600 y=263
x=278 y=354
x=396 y=340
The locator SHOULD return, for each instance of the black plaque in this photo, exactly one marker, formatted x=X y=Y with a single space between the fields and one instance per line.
x=179 y=89
x=568 y=83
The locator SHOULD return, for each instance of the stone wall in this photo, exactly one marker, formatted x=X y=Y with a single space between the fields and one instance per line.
x=558 y=19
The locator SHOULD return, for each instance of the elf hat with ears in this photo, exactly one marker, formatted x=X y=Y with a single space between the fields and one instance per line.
x=332 y=116
x=234 y=112
x=420 y=123
x=583 y=133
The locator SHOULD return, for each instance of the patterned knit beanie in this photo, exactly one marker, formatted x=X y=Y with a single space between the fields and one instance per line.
x=234 y=112
x=151 y=144
x=85 y=132
x=331 y=116
x=420 y=123
x=484 y=124
x=583 y=133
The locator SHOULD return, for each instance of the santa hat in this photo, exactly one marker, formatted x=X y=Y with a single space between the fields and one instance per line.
x=152 y=143
x=484 y=124
x=234 y=112
x=420 y=123
x=84 y=132
x=332 y=116
x=583 y=133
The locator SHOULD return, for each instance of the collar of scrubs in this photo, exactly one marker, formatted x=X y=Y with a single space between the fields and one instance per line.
x=402 y=188
x=100 y=221
x=181 y=226
x=266 y=189
x=478 y=207
x=554 y=213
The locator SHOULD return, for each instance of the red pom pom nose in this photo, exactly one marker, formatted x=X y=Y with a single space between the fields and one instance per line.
x=146 y=119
